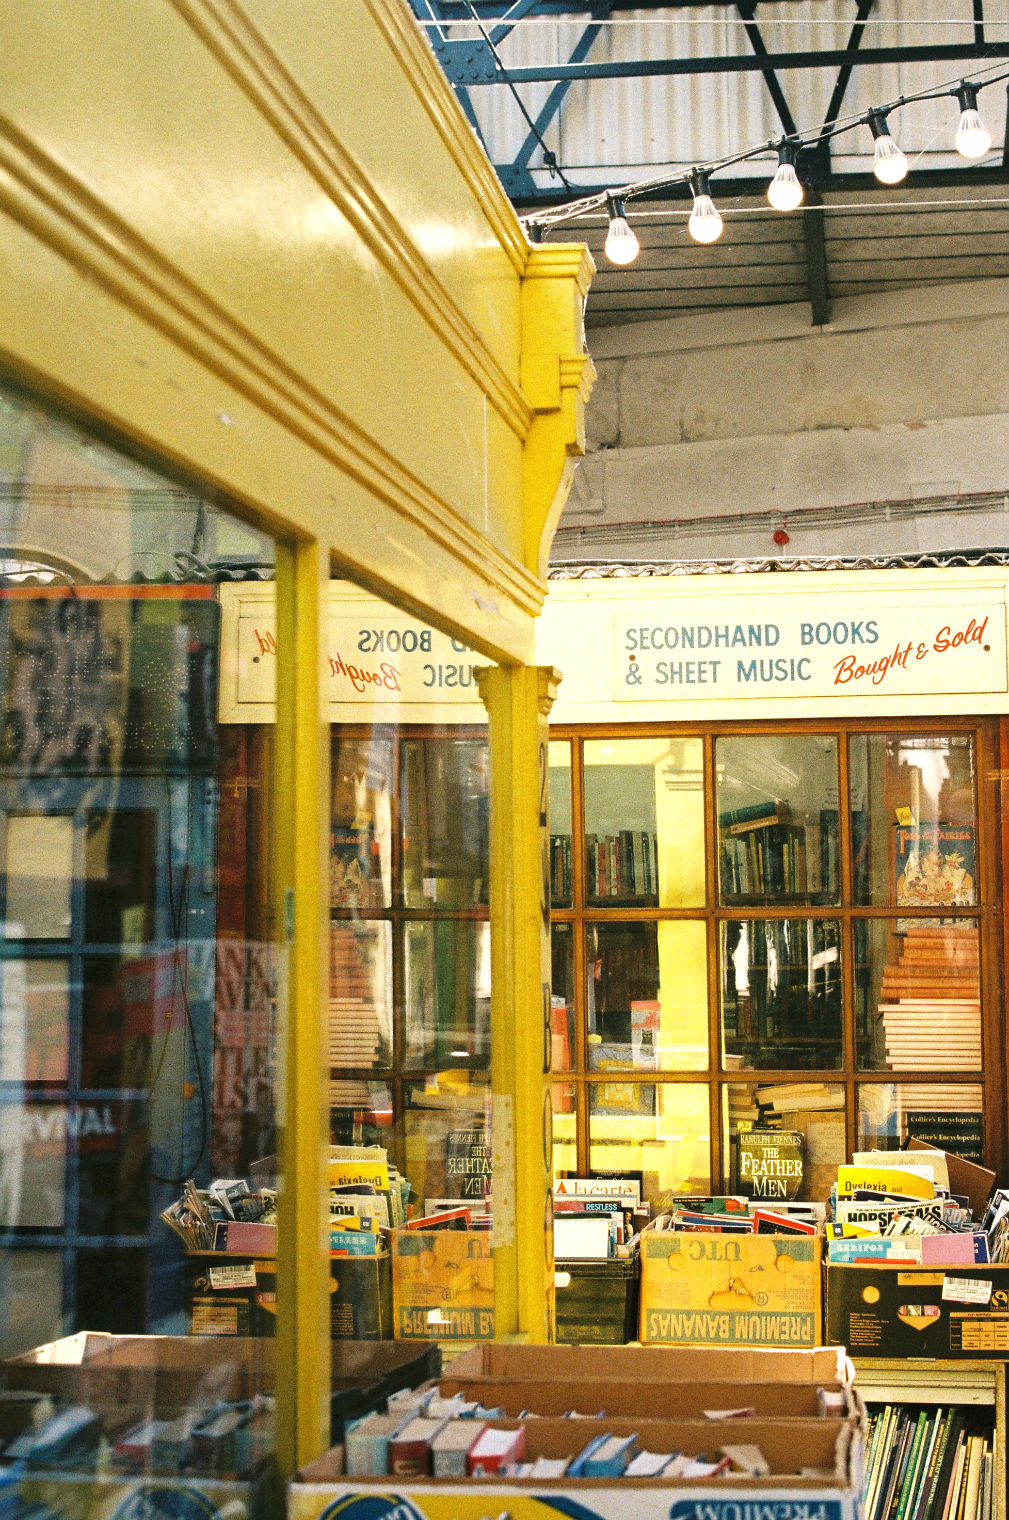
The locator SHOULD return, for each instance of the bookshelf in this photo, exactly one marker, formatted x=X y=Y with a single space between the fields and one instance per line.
x=974 y=1385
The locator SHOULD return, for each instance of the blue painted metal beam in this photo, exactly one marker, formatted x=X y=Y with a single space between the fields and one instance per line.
x=829 y=58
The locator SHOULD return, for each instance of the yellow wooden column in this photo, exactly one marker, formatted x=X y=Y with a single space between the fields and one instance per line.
x=557 y=376
x=518 y=701
x=301 y=834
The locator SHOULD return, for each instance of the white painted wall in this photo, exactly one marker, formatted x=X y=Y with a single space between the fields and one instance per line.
x=903 y=396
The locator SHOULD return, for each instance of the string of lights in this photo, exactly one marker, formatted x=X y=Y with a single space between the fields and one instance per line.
x=785 y=192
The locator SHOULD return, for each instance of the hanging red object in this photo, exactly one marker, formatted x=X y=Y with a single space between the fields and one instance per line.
x=780 y=536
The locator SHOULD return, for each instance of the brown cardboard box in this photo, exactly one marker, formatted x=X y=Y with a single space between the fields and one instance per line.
x=828 y=1450
x=639 y=1398
x=885 y=1309
x=822 y=1366
x=966 y=1177
x=709 y=1289
x=164 y=1373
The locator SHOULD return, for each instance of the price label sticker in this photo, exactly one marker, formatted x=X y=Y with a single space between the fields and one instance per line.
x=966 y=1290
x=233 y=1277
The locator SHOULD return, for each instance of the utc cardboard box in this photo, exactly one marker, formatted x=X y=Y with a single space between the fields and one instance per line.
x=890 y=1310
x=708 y=1289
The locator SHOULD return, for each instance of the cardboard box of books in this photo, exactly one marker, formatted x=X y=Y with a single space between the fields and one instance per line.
x=890 y=1309
x=713 y=1289
x=442 y=1285
x=599 y=1469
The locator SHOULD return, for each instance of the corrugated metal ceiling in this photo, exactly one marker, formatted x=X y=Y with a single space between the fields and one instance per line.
x=633 y=127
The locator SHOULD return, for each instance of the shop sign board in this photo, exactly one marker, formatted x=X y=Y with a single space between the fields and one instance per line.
x=824 y=649
x=377 y=661
x=715 y=646
x=742 y=646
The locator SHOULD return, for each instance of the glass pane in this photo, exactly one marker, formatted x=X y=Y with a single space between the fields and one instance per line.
x=950 y=1116
x=777 y=819
x=813 y=1111
x=31 y=1299
x=559 y=760
x=138 y=971
x=565 y=1162
x=562 y=1002
x=647 y=996
x=780 y=982
x=113 y=1149
x=658 y=1129
x=34 y=1020
x=443 y=798
x=360 y=1112
x=360 y=994
x=410 y=975
x=917 y=995
x=913 y=807
x=446 y=1132
x=644 y=822
x=38 y=872
x=33 y=1145
x=119 y=876
x=360 y=858
x=447 y=989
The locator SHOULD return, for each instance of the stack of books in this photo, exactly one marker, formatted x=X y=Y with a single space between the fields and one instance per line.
x=930 y=1005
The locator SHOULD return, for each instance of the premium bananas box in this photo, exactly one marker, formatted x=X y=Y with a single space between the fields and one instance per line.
x=442 y=1285
x=710 y=1289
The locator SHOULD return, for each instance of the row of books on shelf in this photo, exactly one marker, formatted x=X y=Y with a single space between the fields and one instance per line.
x=929 y=1464
x=621 y=865
x=769 y=861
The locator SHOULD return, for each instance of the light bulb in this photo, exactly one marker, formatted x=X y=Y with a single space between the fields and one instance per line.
x=972 y=136
x=785 y=192
x=621 y=246
x=888 y=164
x=705 y=224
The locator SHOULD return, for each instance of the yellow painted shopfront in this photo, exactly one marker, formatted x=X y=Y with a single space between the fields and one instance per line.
x=268 y=319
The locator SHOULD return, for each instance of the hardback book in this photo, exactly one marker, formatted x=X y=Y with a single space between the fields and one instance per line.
x=452 y=1445
x=366 y=1445
x=410 y=1448
x=495 y=1451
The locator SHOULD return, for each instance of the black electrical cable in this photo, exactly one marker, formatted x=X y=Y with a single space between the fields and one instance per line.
x=549 y=157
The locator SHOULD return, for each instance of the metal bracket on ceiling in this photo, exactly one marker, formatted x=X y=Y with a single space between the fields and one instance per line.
x=466 y=61
x=518 y=182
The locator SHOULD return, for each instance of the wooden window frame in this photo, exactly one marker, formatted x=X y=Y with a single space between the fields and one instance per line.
x=991 y=764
